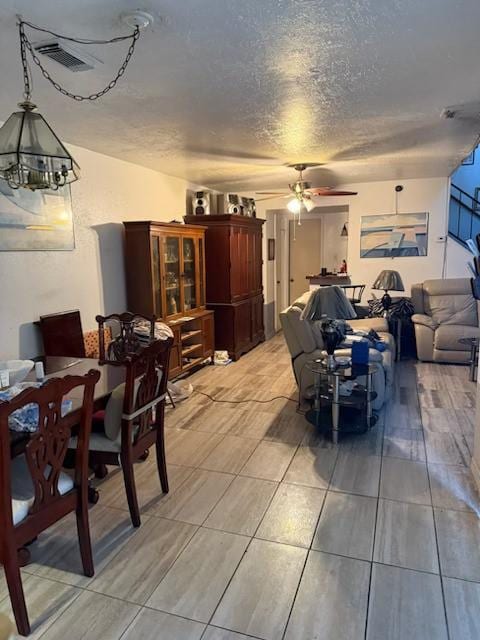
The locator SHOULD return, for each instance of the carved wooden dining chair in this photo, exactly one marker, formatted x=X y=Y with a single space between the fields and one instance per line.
x=125 y=342
x=34 y=491
x=134 y=419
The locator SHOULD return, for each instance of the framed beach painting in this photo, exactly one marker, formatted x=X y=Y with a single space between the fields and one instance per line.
x=35 y=220
x=398 y=235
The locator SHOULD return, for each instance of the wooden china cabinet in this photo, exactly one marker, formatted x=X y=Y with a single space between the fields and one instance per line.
x=233 y=248
x=165 y=272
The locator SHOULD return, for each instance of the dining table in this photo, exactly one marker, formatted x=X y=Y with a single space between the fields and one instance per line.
x=58 y=366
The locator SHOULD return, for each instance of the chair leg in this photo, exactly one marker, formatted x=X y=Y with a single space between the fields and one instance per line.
x=161 y=459
x=84 y=537
x=171 y=399
x=129 y=479
x=100 y=471
x=15 y=589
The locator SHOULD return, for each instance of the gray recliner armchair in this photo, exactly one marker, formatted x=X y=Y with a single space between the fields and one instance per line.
x=445 y=311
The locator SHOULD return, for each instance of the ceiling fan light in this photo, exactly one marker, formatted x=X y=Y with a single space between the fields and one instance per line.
x=309 y=204
x=294 y=206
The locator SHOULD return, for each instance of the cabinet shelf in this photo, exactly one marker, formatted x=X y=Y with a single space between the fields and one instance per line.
x=190 y=334
x=191 y=348
x=192 y=363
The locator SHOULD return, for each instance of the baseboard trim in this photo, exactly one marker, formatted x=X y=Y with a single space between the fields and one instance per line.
x=475 y=469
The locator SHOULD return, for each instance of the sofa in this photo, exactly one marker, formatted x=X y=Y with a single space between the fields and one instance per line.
x=445 y=311
x=305 y=345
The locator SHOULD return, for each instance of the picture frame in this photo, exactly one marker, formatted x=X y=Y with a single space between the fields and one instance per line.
x=271 y=248
x=397 y=235
x=40 y=220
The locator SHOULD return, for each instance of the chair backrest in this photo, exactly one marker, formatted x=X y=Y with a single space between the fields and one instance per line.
x=62 y=334
x=354 y=292
x=125 y=342
x=46 y=448
x=145 y=389
x=449 y=301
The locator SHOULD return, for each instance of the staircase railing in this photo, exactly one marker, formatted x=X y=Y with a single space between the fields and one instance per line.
x=464 y=215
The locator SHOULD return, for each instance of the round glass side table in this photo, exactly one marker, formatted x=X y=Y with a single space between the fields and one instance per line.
x=339 y=413
x=473 y=343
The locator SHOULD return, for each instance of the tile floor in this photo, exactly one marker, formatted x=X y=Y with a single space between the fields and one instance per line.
x=271 y=532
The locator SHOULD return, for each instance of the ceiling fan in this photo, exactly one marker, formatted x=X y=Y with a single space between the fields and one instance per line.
x=302 y=193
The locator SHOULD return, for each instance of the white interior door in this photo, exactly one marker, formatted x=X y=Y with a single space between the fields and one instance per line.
x=305 y=254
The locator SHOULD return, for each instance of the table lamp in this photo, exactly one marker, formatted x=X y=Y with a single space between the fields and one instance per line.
x=388 y=281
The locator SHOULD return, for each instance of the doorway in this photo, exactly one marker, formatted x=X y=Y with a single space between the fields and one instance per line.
x=317 y=242
x=305 y=254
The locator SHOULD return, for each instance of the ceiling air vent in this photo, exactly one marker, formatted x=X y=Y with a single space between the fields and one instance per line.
x=66 y=55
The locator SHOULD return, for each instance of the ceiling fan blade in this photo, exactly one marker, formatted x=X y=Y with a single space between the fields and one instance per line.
x=271 y=193
x=273 y=197
x=326 y=191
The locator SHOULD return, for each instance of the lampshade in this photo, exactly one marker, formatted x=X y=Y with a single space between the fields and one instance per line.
x=389 y=281
x=31 y=155
x=309 y=204
x=294 y=205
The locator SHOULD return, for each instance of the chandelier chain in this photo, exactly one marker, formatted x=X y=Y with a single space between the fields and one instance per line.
x=27 y=89
x=25 y=45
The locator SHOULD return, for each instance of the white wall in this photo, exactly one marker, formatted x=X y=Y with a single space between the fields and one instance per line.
x=334 y=245
x=430 y=194
x=90 y=278
x=457 y=259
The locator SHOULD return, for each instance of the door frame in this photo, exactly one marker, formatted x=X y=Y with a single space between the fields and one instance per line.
x=282 y=266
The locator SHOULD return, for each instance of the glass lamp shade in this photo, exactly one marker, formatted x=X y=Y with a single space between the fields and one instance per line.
x=309 y=204
x=294 y=206
x=389 y=281
x=31 y=155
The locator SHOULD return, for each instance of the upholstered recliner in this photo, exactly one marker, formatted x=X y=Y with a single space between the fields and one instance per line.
x=445 y=311
x=305 y=345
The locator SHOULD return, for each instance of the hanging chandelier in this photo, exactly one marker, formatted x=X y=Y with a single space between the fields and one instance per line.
x=31 y=154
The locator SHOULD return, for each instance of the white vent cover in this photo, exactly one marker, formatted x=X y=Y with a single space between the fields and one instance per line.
x=67 y=56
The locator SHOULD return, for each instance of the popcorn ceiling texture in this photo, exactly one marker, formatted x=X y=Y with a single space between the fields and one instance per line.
x=356 y=84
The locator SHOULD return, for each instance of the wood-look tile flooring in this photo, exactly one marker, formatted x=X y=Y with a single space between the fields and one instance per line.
x=271 y=532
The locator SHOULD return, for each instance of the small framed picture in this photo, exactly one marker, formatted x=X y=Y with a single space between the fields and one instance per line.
x=271 y=248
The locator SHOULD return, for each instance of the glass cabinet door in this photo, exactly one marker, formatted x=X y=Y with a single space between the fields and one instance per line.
x=189 y=274
x=172 y=276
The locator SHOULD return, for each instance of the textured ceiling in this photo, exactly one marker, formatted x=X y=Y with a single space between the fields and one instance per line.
x=225 y=92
